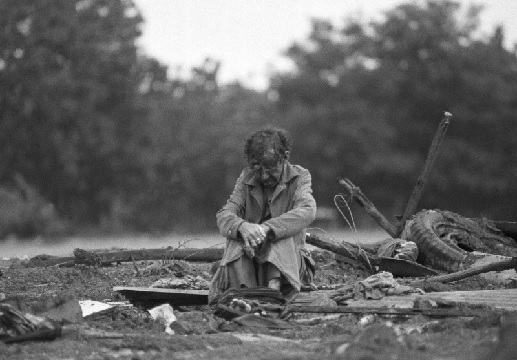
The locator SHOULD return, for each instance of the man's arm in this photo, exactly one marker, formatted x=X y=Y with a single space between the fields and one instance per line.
x=230 y=217
x=302 y=214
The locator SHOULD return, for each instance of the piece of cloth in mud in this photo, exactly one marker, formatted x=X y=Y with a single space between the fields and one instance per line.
x=374 y=287
x=259 y=299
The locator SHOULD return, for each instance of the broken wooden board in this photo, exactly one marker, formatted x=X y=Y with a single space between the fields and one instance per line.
x=505 y=299
x=147 y=296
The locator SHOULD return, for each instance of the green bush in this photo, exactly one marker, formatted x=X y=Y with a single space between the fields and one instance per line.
x=25 y=213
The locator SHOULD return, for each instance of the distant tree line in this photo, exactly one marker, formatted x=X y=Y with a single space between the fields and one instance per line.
x=366 y=101
x=94 y=133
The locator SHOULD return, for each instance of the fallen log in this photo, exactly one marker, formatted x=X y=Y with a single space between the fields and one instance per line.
x=108 y=258
x=205 y=254
x=342 y=248
x=368 y=258
x=424 y=176
x=354 y=255
x=358 y=195
x=459 y=275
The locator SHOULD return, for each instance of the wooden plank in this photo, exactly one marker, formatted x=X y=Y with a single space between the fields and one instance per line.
x=501 y=299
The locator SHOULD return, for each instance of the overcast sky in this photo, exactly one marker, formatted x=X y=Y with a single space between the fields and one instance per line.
x=248 y=36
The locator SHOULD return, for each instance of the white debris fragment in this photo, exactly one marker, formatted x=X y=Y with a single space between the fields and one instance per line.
x=366 y=320
x=89 y=307
x=164 y=314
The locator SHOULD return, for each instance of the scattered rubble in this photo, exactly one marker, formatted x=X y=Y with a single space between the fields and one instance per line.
x=187 y=282
x=202 y=329
x=374 y=287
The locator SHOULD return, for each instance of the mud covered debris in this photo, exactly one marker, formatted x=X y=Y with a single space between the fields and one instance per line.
x=125 y=332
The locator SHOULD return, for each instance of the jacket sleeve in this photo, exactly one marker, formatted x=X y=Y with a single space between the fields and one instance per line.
x=230 y=217
x=301 y=215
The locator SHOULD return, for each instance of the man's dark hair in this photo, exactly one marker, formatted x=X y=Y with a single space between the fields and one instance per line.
x=267 y=138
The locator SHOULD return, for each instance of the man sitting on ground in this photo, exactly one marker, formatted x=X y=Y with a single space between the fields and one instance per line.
x=264 y=220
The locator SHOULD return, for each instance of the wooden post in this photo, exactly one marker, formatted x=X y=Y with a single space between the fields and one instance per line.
x=357 y=194
x=422 y=179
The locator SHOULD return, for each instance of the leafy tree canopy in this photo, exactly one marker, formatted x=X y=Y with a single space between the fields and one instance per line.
x=68 y=75
x=369 y=98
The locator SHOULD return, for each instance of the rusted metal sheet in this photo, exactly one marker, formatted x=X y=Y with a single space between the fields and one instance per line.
x=404 y=268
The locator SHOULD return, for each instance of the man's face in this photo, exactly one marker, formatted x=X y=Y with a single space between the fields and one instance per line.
x=267 y=169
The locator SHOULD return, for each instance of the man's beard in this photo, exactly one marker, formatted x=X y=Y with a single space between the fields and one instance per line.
x=269 y=182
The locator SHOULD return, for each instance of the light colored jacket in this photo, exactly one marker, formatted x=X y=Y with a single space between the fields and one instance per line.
x=292 y=209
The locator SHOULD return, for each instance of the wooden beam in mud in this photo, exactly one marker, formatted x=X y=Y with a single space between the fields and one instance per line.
x=358 y=195
x=343 y=248
x=424 y=176
x=459 y=275
x=352 y=253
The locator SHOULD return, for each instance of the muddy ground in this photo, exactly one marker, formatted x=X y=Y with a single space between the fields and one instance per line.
x=130 y=333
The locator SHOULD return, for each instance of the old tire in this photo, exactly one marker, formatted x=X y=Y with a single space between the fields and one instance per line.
x=433 y=251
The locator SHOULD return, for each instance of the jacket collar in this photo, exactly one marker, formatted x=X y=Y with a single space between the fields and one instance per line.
x=289 y=173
